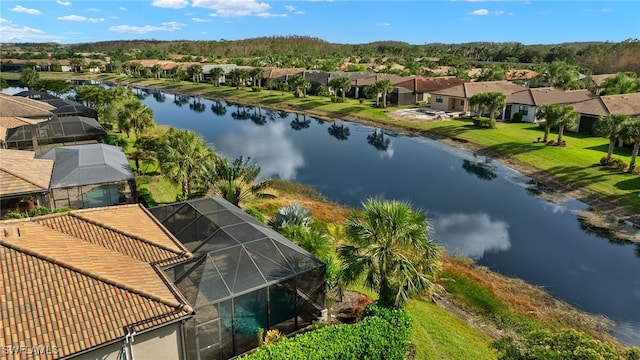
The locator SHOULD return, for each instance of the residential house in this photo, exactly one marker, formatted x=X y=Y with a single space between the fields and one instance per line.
x=11 y=122
x=410 y=91
x=594 y=82
x=24 y=181
x=243 y=277
x=528 y=100
x=520 y=76
x=282 y=75
x=591 y=110
x=63 y=107
x=16 y=106
x=87 y=176
x=456 y=98
x=88 y=284
x=358 y=84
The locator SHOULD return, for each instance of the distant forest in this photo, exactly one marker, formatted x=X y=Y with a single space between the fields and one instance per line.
x=308 y=52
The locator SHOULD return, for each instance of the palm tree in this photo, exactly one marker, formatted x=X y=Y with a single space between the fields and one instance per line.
x=610 y=126
x=562 y=76
x=216 y=74
x=477 y=102
x=622 y=83
x=156 y=70
x=568 y=117
x=141 y=117
x=388 y=245
x=551 y=114
x=187 y=161
x=29 y=78
x=257 y=74
x=236 y=182
x=384 y=87
x=195 y=72
x=631 y=133
x=341 y=83
x=494 y=101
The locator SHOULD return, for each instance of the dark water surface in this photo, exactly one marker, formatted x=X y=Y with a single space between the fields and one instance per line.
x=478 y=207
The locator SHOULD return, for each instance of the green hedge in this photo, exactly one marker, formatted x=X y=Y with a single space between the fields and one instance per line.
x=484 y=122
x=385 y=336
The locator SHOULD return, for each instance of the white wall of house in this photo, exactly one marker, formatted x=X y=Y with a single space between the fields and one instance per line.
x=446 y=103
x=164 y=343
x=528 y=112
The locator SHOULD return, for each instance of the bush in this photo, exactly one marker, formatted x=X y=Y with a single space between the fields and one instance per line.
x=115 y=140
x=374 y=338
x=256 y=88
x=517 y=117
x=255 y=214
x=483 y=122
x=618 y=164
x=604 y=161
x=555 y=344
x=14 y=215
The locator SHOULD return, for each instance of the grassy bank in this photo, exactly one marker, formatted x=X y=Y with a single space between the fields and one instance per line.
x=574 y=167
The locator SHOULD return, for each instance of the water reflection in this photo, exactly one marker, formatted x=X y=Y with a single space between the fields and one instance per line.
x=197 y=105
x=378 y=141
x=472 y=235
x=297 y=124
x=269 y=146
x=159 y=96
x=180 y=100
x=340 y=132
x=482 y=169
x=219 y=108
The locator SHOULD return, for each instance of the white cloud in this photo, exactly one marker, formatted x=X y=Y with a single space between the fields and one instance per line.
x=166 y=26
x=290 y=8
x=200 y=20
x=172 y=4
x=226 y=8
x=269 y=15
x=480 y=12
x=80 y=18
x=22 y=9
x=498 y=12
x=384 y=24
x=472 y=235
x=93 y=10
x=122 y=9
x=12 y=33
x=63 y=3
x=4 y=21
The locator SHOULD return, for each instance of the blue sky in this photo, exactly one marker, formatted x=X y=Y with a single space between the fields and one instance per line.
x=352 y=22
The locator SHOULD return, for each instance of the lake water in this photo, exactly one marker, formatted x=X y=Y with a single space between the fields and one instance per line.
x=478 y=208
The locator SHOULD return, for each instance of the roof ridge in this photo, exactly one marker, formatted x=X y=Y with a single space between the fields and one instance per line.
x=97 y=276
x=27 y=180
x=121 y=232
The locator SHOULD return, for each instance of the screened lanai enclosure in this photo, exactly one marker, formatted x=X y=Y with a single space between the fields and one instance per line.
x=59 y=131
x=244 y=276
x=88 y=176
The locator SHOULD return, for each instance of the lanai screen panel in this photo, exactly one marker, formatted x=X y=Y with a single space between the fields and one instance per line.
x=244 y=276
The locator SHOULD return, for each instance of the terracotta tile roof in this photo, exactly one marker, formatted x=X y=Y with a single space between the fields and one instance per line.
x=520 y=74
x=469 y=89
x=76 y=293
x=429 y=84
x=21 y=173
x=17 y=106
x=628 y=104
x=10 y=122
x=548 y=95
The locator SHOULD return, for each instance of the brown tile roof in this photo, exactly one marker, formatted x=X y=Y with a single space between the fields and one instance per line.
x=599 y=79
x=469 y=89
x=429 y=84
x=548 y=95
x=628 y=104
x=371 y=79
x=21 y=173
x=79 y=292
x=593 y=106
x=18 y=106
x=275 y=73
x=520 y=74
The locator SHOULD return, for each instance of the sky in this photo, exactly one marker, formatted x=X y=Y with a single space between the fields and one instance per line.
x=336 y=21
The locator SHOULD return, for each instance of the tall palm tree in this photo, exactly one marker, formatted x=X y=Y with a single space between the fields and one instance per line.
x=388 y=245
x=610 y=126
x=195 y=73
x=494 y=101
x=341 y=83
x=156 y=70
x=257 y=74
x=551 y=114
x=384 y=87
x=631 y=133
x=568 y=117
x=141 y=117
x=477 y=102
x=187 y=161
x=216 y=74
x=29 y=77
x=236 y=182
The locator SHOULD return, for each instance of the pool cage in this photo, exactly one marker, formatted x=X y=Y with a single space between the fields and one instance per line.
x=244 y=276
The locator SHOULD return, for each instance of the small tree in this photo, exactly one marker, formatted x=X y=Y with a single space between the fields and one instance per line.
x=341 y=83
x=631 y=133
x=568 y=118
x=610 y=126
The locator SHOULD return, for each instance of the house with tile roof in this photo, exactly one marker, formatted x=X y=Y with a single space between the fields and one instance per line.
x=591 y=110
x=411 y=90
x=527 y=101
x=16 y=106
x=456 y=98
x=24 y=181
x=88 y=284
x=11 y=122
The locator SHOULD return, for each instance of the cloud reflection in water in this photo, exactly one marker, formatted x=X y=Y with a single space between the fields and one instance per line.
x=472 y=235
x=269 y=146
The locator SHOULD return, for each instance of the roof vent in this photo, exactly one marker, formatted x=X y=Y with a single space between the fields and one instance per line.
x=11 y=231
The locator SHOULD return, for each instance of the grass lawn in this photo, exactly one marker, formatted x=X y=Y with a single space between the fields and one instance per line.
x=438 y=334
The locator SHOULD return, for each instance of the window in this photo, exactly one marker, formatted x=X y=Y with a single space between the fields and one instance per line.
x=524 y=110
x=461 y=102
x=438 y=98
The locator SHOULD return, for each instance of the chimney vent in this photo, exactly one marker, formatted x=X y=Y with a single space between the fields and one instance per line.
x=11 y=231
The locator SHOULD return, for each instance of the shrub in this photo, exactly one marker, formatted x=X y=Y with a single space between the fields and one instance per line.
x=484 y=122
x=294 y=214
x=551 y=143
x=604 y=161
x=14 y=215
x=618 y=164
x=517 y=117
x=256 y=88
x=374 y=338
x=38 y=211
x=255 y=214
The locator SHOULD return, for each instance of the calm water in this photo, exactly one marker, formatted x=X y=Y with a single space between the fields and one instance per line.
x=479 y=208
